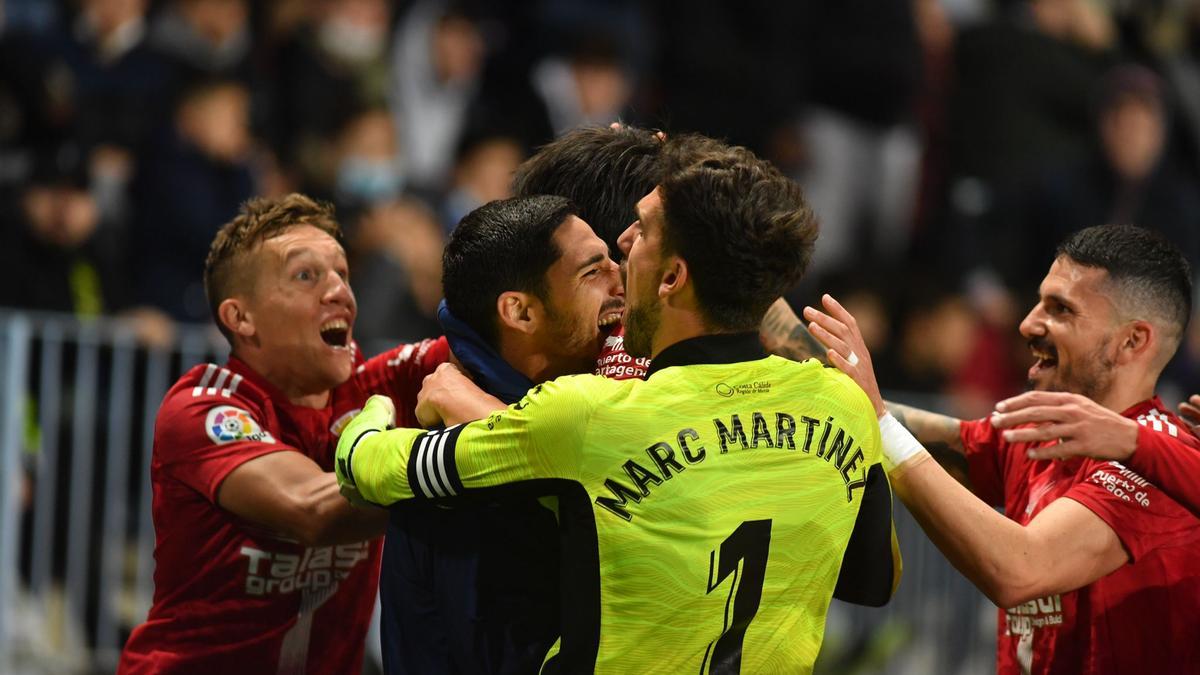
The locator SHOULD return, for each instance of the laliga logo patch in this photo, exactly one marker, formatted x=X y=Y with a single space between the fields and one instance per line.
x=340 y=423
x=226 y=424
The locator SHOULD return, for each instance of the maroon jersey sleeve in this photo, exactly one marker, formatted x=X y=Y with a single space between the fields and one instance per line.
x=201 y=438
x=985 y=448
x=1142 y=516
x=1171 y=458
x=399 y=373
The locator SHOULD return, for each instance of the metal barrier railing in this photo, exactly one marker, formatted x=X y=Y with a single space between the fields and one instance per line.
x=78 y=399
x=77 y=408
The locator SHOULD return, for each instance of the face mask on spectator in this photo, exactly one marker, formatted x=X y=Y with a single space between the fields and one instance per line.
x=368 y=181
x=352 y=42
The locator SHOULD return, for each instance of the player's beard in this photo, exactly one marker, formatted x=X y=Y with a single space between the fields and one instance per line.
x=641 y=323
x=576 y=342
x=1090 y=376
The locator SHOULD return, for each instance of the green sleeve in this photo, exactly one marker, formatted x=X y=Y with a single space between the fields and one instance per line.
x=536 y=438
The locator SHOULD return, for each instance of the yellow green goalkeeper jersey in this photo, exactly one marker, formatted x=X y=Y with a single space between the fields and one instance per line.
x=707 y=513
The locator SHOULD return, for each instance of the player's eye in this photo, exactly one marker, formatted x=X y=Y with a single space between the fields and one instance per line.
x=305 y=275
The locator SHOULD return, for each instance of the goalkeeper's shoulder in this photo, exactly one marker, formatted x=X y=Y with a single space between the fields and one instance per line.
x=582 y=392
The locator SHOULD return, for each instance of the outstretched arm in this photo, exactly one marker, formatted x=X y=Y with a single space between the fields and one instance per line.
x=287 y=492
x=1064 y=547
x=533 y=441
x=930 y=428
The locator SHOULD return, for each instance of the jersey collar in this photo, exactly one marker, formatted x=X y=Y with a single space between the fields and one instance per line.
x=714 y=348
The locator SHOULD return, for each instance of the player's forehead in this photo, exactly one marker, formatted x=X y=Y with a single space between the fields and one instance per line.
x=302 y=241
x=1069 y=279
x=650 y=210
x=1083 y=288
x=577 y=242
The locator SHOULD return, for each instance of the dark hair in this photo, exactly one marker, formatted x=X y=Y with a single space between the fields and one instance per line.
x=227 y=270
x=504 y=245
x=603 y=171
x=1147 y=271
x=744 y=228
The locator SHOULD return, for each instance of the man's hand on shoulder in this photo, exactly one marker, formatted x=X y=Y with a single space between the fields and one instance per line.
x=845 y=347
x=1081 y=426
x=377 y=415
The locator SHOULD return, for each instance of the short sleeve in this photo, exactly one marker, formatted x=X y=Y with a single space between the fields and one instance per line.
x=1142 y=516
x=199 y=441
x=1170 y=458
x=984 y=448
x=399 y=373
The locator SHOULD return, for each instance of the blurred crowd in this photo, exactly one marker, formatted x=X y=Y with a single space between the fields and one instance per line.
x=947 y=145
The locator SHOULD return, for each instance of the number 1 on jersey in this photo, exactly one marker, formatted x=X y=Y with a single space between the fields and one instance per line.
x=746 y=548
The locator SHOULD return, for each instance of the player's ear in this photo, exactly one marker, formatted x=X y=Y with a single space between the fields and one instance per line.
x=1137 y=339
x=236 y=317
x=674 y=278
x=519 y=311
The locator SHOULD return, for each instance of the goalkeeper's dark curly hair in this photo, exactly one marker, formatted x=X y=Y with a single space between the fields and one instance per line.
x=745 y=230
x=228 y=269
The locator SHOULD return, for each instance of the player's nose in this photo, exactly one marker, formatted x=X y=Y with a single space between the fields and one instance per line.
x=339 y=291
x=1034 y=322
x=625 y=241
x=613 y=271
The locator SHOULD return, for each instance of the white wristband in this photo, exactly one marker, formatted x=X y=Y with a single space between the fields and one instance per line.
x=899 y=445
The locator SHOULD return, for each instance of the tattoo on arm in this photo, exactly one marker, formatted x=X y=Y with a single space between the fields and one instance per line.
x=929 y=428
x=801 y=345
x=784 y=334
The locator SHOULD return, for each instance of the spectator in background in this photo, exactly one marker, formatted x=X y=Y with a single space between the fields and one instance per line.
x=395 y=240
x=331 y=67
x=205 y=38
x=862 y=72
x=188 y=186
x=112 y=89
x=483 y=172
x=1020 y=107
x=437 y=66
x=591 y=86
x=368 y=169
x=729 y=70
x=53 y=255
x=1132 y=179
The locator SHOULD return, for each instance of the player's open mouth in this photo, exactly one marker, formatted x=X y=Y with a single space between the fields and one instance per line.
x=336 y=332
x=610 y=316
x=1046 y=355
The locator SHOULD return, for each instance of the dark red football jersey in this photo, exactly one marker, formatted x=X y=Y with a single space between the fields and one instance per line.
x=1142 y=618
x=1169 y=455
x=231 y=596
x=615 y=364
